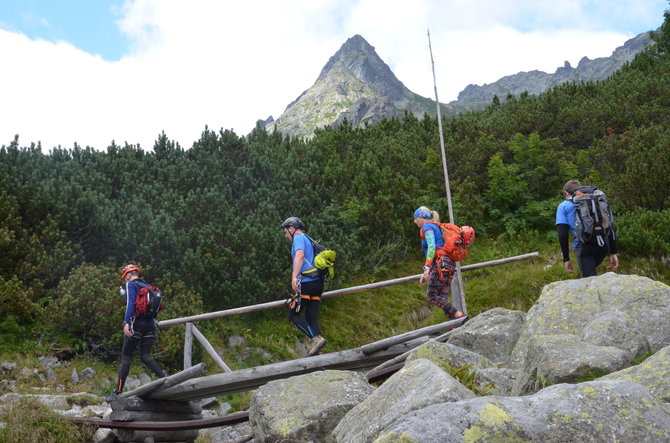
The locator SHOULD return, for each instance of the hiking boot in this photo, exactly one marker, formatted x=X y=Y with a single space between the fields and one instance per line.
x=317 y=343
x=113 y=396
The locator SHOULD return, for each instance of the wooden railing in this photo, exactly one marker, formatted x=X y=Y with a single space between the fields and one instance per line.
x=193 y=332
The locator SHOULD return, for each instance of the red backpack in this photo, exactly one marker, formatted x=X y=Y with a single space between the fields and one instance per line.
x=148 y=301
x=456 y=241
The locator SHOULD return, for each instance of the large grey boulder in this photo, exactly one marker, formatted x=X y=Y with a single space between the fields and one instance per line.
x=441 y=353
x=597 y=411
x=305 y=408
x=600 y=324
x=418 y=384
x=551 y=359
x=493 y=334
x=653 y=374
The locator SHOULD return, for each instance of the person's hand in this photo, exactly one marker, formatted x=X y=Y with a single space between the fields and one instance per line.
x=424 y=276
x=295 y=285
x=614 y=262
x=568 y=266
x=126 y=330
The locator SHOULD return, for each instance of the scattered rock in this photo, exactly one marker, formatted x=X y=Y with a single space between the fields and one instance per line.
x=7 y=366
x=49 y=362
x=87 y=373
x=74 y=376
x=235 y=340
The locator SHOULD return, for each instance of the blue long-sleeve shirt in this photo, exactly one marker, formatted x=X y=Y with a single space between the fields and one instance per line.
x=131 y=293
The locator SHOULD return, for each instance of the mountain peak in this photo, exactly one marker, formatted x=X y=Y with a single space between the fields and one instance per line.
x=358 y=57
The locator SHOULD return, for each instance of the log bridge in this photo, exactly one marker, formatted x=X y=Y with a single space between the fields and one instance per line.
x=164 y=409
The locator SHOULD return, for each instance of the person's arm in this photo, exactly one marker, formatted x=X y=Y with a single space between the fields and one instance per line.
x=430 y=254
x=614 y=257
x=297 y=266
x=131 y=293
x=564 y=241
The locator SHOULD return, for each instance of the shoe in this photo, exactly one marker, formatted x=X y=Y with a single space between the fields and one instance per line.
x=317 y=343
x=113 y=396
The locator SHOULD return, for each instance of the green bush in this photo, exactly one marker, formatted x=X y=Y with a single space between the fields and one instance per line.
x=29 y=421
x=15 y=300
x=644 y=233
x=87 y=305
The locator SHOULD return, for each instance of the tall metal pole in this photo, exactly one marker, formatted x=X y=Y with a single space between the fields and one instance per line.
x=457 y=289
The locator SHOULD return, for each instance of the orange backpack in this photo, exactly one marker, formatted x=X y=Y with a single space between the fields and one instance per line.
x=456 y=241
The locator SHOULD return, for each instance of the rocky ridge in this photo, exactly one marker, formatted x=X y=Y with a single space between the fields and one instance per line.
x=357 y=86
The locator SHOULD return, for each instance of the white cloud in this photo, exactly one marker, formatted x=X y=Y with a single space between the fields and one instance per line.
x=226 y=64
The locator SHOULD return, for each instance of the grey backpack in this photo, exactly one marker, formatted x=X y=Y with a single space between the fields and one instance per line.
x=593 y=220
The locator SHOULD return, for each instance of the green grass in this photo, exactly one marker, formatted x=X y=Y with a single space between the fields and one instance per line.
x=30 y=421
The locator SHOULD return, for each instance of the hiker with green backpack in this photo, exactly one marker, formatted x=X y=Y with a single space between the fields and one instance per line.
x=309 y=269
x=443 y=244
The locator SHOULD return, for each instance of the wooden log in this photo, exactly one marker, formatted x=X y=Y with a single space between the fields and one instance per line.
x=228 y=420
x=174 y=379
x=152 y=416
x=385 y=343
x=380 y=370
x=251 y=378
x=156 y=436
x=188 y=345
x=141 y=404
x=209 y=348
x=335 y=293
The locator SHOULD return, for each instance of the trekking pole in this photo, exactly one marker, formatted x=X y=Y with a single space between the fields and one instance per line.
x=458 y=291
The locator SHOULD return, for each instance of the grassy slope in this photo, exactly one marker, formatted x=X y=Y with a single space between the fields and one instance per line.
x=352 y=320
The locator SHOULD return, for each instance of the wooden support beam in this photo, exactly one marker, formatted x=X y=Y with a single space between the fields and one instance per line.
x=400 y=359
x=251 y=378
x=228 y=420
x=209 y=348
x=188 y=345
x=166 y=382
x=390 y=341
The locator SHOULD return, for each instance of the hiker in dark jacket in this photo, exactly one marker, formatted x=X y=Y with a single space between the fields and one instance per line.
x=137 y=330
x=438 y=273
x=589 y=257
x=307 y=287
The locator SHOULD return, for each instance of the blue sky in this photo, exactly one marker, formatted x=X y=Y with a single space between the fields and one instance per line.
x=88 y=24
x=100 y=70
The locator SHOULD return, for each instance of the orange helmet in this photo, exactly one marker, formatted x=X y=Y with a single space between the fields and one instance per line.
x=468 y=233
x=129 y=268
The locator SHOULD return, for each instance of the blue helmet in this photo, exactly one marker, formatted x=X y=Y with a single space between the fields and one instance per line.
x=422 y=213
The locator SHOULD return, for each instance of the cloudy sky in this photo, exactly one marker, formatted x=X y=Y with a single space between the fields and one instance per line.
x=95 y=71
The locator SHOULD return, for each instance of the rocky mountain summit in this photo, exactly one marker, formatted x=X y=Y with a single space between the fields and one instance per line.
x=358 y=86
x=536 y=82
x=590 y=361
x=355 y=85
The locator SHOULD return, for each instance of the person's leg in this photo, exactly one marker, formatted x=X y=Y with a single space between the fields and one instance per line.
x=439 y=285
x=312 y=292
x=295 y=318
x=146 y=344
x=588 y=259
x=127 y=351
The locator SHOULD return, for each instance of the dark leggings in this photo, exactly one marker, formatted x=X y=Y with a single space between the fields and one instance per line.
x=589 y=257
x=439 y=285
x=144 y=335
x=310 y=300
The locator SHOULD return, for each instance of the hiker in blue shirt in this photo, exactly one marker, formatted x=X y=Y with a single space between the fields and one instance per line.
x=589 y=257
x=137 y=330
x=306 y=286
